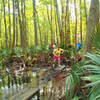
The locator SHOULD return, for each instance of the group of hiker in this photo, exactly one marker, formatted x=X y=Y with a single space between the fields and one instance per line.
x=57 y=51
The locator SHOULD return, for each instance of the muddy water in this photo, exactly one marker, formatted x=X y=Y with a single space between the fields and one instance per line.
x=51 y=90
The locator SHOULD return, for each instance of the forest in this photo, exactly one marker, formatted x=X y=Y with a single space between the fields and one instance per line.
x=49 y=50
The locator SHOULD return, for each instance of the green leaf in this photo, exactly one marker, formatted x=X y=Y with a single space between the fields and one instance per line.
x=75 y=98
x=94 y=58
x=95 y=93
x=92 y=68
x=70 y=85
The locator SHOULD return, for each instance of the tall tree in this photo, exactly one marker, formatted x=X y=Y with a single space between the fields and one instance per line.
x=40 y=31
x=16 y=31
x=92 y=22
x=75 y=25
x=6 y=36
x=21 y=38
x=49 y=19
x=81 y=21
x=66 y=22
x=51 y=24
x=39 y=27
x=48 y=16
x=35 y=22
x=9 y=23
x=62 y=19
x=58 y=19
x=45 y=32
x=85 y=11
x=67 y=25
x=13 y=1
x=0 y=25
x=48 y=13
x=23 y=26
x=16 y=24
x=56 y=29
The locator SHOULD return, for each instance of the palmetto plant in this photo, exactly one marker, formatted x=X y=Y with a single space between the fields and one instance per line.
x=87 y=72
x=93 y=76
x=73 y=82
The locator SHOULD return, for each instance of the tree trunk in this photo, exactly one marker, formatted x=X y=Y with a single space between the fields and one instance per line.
x=45 y=33
x=62 y=20
x=40 y=30
x=67 y=27
x=6 y=37
x=24 y=37
x=92 y=22
x=85 y=11
x=0 y=25
x=25 y=27
x=13 y=1
x=48 y=21
x=48 y=13
x=80 y=21
x=58 y=18
x=35 y=22
x=22 y=25
x=21 y=38
x=68 y=30
x=0 y=29
x=75 y=25
x=66 y=22
x=51 y=24
x=9 y=23
x=16 y=31
x=56 y=29
x=39 y=27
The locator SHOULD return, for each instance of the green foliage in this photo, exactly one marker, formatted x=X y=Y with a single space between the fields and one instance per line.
x=95 y=93
x=75 y=98
x=5 y=52
x=70 y=85
x=95 y=58
x=73 y=81
x=36 y=50
x=93 y=76
x=33 y=50
x=46 y=48
x=30 y=50
x=0 y=64
x=88 y=71
x=18 y=51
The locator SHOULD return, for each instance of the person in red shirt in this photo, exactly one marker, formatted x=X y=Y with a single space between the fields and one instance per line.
x=51 y=45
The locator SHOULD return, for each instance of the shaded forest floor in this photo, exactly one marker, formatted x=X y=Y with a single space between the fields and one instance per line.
x=39 y=60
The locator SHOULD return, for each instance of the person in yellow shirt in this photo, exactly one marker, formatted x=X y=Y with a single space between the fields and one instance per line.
x=57 y=54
